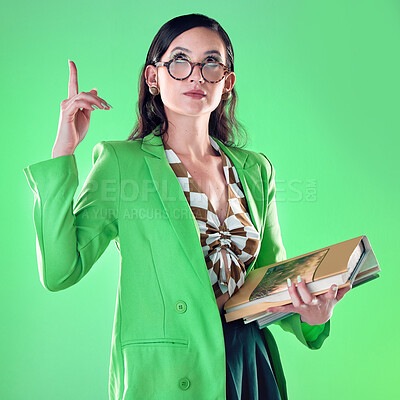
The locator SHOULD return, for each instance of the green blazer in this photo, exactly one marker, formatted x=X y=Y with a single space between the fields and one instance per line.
x=167 y=340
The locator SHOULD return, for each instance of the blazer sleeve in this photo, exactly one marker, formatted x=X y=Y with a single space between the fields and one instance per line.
x=70 y=238
x=272 y=251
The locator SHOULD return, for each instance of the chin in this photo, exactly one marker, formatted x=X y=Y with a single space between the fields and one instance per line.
x=192 y=110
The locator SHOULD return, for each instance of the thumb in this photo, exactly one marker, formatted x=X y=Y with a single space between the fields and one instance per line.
x=331 y=293
x=343 y=291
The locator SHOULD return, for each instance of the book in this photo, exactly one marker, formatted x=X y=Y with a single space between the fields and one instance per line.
x=351 y=262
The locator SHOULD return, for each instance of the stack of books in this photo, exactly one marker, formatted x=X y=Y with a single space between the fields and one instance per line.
x=351 y=262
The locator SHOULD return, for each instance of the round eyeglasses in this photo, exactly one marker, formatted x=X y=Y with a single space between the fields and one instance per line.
x=180 y=69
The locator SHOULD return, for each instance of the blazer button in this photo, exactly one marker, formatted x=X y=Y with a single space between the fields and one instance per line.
x=184 y=383
x=180 y=306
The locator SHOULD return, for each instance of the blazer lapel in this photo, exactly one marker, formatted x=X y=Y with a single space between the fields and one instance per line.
x=177 y=208
x=250 y=178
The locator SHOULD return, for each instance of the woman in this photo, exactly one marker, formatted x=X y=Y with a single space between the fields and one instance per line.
x=190 y=213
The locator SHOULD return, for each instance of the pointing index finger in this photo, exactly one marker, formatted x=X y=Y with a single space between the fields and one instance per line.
x=73 y=80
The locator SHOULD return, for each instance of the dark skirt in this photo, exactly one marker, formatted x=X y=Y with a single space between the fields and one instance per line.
x=249 y=373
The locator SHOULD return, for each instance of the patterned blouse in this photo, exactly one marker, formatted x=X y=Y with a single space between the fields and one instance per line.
x=236 y=234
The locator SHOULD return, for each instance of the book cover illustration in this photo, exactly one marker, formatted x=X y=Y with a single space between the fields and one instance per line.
x=274 y=280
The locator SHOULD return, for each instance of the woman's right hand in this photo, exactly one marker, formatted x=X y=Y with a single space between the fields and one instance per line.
x=75 y=115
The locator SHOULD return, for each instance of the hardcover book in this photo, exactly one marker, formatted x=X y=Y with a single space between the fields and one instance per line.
x=349 y=262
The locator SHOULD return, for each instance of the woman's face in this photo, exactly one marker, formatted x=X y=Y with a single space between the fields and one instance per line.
x=197 y=42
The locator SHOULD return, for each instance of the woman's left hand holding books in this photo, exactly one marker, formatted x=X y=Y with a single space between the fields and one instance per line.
x=314 y=310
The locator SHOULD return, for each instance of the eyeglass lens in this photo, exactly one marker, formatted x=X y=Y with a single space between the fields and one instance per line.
x=181 y=69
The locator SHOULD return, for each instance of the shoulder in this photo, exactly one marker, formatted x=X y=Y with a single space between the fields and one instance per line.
x=126 y=156
x=254 y=157
x=120 y=146
x=266 y=162
x=117 y=149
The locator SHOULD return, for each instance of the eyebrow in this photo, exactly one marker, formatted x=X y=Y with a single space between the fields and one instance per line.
x=188 y=51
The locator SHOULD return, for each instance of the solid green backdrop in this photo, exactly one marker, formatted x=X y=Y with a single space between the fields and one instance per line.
x=318 y=85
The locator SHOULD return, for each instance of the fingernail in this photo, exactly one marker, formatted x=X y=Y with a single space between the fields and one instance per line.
x=106 y=105
x=289 y=282
x=95 y=107
x=298 y=278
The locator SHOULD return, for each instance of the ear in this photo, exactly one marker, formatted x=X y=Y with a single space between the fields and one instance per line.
x=150 y=74
x=229 y=82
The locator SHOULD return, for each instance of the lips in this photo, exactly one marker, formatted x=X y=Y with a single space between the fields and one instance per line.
x=195 y=93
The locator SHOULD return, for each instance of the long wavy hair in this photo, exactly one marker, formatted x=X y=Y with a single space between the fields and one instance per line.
x=150 y=112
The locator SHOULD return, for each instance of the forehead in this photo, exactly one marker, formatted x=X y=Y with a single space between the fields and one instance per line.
x=198 y=40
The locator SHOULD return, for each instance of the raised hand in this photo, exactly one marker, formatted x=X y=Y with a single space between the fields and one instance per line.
x=314 y=310
x=75 y=112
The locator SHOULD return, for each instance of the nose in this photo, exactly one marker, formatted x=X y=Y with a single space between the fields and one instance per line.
x=196 y=73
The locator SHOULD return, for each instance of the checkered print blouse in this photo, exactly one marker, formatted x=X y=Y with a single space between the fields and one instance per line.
x=236 y=234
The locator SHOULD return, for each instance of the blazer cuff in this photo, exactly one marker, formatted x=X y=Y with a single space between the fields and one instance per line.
x=293 y=325
x=311 y=332
x=57 y=169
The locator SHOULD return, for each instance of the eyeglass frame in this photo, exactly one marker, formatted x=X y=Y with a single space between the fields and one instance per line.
x=192 y=65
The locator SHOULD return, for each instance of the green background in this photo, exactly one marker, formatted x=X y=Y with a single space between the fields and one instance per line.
x=318 y=85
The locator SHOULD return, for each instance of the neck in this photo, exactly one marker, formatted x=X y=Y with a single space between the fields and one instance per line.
x=188 y=136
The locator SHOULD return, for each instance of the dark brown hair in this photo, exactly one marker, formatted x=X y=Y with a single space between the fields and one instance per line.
x=222 y=124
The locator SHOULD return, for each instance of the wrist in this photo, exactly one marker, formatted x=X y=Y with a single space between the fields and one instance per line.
x=312 y=323
x=59 y=151
x=55 y=154
x=304 y=320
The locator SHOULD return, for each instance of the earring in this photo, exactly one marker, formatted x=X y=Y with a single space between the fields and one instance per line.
x=154 y=90
x=226 y=95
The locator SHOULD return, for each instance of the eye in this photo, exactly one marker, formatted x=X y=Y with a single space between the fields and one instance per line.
x=212 y=58
x=179 y=56
x=184 y=57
